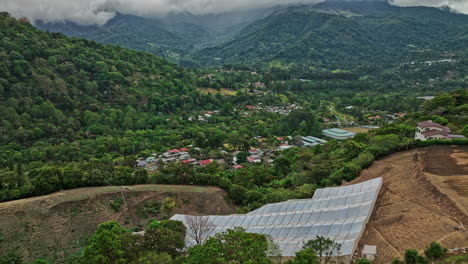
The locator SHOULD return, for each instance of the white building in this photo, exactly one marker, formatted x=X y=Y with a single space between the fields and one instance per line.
x=430 y=130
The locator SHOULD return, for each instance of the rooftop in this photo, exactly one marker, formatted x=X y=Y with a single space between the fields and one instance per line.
x=337 y=132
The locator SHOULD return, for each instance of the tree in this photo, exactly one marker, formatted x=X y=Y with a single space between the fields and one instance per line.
x=11 y=258
x=305 y=256
x=434 y=251
x=168 y=205
x=324 y=247
x=231 y=246
x=149 y=257
x=105 y=245
x=411 y=256
x=49 y=179
x=199 y=228
x=363 y=261
x=161 y=239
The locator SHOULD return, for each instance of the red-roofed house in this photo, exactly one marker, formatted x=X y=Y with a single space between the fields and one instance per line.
x=210 y=112
x=250 y=159
x=205 y=162
x=173 y=151
x=280 y=138
x=184 y=149
x=236 y=167
x=250 y=107
x=430 y=130
x=188 y=161
x=374 y=117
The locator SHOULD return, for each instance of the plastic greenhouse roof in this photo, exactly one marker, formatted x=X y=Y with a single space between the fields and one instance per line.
x=338 y=213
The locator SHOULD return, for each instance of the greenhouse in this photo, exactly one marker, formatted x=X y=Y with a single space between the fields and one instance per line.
x=338 y=213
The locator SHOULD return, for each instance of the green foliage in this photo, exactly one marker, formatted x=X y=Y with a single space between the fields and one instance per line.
x=150 y=257
x=148 y=209
x=233 y=245
x=164 y=240
x=116 y=204
x=105 y=246
x=168 y=205
x=40 y=261
x=11 y=258
x=323 y=247
x=363 y=261
x=434 y=251
x=305 y=256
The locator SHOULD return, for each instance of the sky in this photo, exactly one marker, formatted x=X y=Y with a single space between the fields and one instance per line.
x=92 y=12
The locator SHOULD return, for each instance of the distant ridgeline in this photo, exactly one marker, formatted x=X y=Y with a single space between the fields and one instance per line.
x=369 y=37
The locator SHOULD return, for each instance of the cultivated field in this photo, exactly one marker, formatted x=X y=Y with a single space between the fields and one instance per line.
x=424 y=198
x=56 y=225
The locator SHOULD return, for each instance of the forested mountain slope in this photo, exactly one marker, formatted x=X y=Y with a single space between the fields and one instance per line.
x=54 y=89
x=347 y=36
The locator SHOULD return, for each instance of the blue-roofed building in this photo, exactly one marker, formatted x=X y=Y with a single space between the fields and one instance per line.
x=337 y=133
x=310 y=141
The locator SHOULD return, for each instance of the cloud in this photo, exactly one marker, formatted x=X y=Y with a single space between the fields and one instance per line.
x=90 y=12
x=458 y=5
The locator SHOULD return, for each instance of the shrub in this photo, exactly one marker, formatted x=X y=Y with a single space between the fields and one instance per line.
x=434 y=251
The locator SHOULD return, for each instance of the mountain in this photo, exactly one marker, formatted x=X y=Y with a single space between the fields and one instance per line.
x=59 y=87
x=348 y=35
x=138 y=33
x=172 y=36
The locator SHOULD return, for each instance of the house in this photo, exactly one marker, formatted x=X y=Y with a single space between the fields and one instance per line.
x=205 y=162
x=284 y=146
x=250 y=159
x=237 y=167
x=310 y=141
x=250 y=107
x=255 y=151
x=429 y=130
x=141 y=163
x=372 y=118
x=191 y=160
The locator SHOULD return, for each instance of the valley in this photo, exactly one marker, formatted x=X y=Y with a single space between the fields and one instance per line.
x=111 y=126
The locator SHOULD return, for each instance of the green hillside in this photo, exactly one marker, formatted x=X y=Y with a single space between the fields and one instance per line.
x=69 y=100
x=356 y=39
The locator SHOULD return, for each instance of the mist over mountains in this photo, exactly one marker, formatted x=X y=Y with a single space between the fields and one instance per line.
x=99 y=12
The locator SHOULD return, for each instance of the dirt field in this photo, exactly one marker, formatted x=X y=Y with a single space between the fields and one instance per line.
x=223 y=91
x=424 y=198
x=356 y=129
x=56 y=225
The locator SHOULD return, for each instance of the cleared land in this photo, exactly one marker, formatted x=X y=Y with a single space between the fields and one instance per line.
x=424 y=198
x=223 y=91
x=356 y=129
x=56 y=225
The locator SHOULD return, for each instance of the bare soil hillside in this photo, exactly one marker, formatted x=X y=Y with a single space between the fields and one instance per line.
x=56 y=225
x=424 y=198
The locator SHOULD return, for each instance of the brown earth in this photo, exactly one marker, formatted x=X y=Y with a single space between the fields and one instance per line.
x=424 y=198
x=53 y=226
